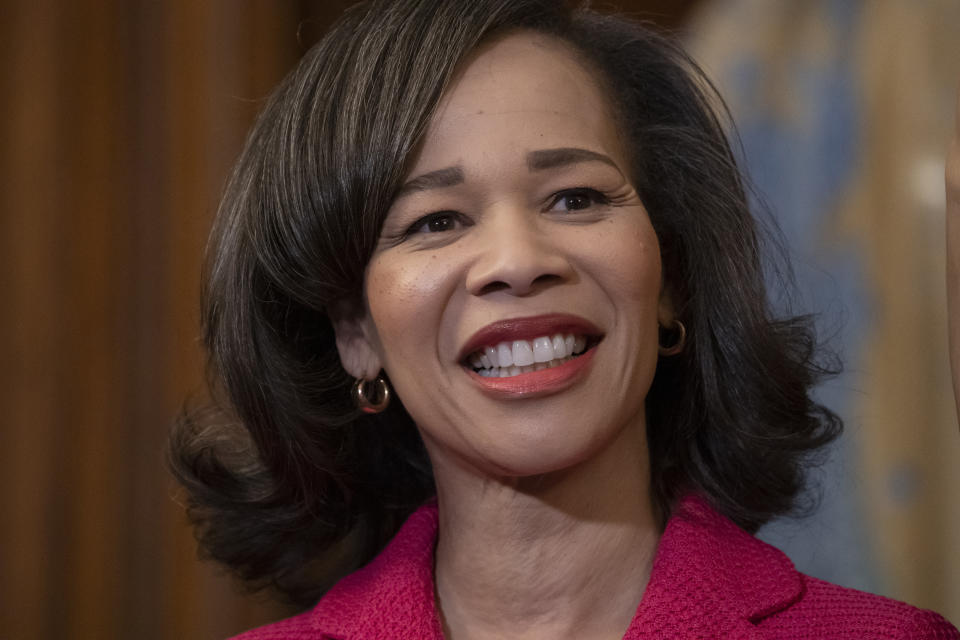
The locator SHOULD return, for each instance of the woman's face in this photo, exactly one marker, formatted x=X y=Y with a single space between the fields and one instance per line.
x=517 y=236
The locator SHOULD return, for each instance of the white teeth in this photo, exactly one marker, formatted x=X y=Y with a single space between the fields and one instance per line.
x=579 y=344
x=512 y=358
x=504 y=355
x=559 y=347
x=542 y=350
x=522 y=353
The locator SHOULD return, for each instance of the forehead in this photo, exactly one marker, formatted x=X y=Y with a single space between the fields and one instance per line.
x=529 y=88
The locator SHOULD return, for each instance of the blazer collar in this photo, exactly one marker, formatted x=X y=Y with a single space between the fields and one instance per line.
x=709 y=579
x=393 y=596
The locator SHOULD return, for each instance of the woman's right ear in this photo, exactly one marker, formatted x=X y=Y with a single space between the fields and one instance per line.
x=356 y=339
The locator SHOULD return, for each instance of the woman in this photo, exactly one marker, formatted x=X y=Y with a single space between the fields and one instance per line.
x=499 y=253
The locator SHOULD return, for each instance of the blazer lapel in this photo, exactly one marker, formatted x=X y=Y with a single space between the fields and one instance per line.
x=393 y=596
x=711 y=579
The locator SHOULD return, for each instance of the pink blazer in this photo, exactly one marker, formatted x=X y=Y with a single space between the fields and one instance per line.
x=710 y=579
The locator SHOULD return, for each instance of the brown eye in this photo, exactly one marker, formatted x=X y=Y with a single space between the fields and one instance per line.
x=440 y=223
x=577 y=200
x=436 y=223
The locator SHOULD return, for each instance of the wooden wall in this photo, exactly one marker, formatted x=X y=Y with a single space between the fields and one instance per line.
x=119 y=120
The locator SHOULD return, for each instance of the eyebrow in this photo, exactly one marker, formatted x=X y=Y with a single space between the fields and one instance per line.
x=539 y=160
x=552 y=158
x=433 y=180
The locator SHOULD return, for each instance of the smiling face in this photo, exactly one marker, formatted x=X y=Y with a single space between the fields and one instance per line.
x=514 y=297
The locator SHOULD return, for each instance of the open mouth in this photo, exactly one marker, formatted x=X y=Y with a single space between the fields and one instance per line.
x=512 y=358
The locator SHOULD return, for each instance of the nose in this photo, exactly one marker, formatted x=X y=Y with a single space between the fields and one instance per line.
x=517 y=256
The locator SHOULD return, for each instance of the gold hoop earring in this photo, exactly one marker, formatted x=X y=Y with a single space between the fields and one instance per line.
x=375 y=402
x=676 y=345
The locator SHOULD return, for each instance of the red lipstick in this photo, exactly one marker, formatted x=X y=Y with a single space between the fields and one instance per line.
x=545 y=381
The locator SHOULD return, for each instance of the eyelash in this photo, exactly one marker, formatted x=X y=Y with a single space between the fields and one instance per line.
x=595 y=197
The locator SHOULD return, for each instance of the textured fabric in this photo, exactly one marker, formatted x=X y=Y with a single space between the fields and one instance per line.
x=710 y=579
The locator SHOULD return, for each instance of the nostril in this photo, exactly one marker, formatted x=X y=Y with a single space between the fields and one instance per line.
x=493 y=287
x=517 y=268
x=541 y=281
x=546 y=278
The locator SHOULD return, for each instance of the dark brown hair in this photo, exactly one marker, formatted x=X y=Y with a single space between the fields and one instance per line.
x=289 y=484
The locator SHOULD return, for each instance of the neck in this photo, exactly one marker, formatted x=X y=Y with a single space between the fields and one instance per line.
x=563 y=555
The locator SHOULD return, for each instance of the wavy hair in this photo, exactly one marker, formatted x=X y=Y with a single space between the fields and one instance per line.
x=288 y=484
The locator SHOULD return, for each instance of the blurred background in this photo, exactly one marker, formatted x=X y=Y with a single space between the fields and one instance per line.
x=119 y=121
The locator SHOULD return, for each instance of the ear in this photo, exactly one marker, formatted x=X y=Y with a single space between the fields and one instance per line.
x=355 y=339
x=666 y=313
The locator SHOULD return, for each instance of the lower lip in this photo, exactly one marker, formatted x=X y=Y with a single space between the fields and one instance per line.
x=543 y=382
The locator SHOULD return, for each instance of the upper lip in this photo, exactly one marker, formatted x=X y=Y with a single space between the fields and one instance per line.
x=527 y=329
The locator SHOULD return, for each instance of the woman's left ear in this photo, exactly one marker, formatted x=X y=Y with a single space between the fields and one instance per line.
x=666 y=314
x=356 y=339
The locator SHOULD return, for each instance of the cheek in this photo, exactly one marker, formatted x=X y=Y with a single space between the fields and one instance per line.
x=628 y=269
x=630 y=263
x=405 y=301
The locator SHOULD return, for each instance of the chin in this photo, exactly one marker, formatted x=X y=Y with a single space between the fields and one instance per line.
x=541 y=453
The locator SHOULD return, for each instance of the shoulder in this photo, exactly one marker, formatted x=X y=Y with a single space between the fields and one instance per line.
x=826 y=610
x=718 y=576
x=392 y=597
